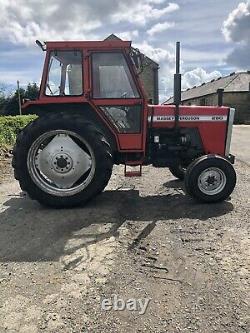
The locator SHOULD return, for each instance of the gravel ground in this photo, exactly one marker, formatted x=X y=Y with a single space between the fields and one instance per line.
x=141 y=238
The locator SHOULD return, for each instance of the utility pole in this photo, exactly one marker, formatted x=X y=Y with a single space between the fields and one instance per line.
x=19 y=97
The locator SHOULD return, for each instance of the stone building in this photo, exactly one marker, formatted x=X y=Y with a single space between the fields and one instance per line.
x=148 y=75
x=236 y=94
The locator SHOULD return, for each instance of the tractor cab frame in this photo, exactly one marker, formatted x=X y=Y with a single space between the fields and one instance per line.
x=103 y=76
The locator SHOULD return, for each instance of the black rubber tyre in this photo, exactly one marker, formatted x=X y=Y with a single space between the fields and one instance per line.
x=178 y=171
x=74 y=123
x=193 y=180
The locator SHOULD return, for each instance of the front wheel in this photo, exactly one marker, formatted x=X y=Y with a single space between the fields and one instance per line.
x=210 y=178
x=62 y=160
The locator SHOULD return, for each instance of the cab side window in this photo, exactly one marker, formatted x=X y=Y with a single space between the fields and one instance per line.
x=112 y=77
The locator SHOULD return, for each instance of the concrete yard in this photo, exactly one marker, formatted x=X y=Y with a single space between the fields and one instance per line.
x=240 y=143
x=142 y=238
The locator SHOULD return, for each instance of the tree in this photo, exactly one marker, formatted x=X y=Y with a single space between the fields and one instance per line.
x=32 y=91
x=11 y=104
x=2 y=102
x=2 y=98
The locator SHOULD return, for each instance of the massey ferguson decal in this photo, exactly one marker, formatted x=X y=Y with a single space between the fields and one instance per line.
x=189 y=118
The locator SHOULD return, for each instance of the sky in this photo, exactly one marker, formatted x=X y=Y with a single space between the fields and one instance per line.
x=214 y=34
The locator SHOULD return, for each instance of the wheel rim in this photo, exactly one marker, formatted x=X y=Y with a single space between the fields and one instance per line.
x=61 y=163
x=212 y=181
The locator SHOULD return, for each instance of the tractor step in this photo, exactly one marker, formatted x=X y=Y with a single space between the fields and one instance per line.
x=132 y=172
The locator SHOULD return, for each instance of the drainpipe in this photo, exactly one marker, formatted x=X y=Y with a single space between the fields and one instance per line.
x=156 y=85
x=220 y=96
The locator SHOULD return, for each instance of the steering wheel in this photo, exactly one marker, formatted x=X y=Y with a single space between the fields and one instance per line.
x=51 y=92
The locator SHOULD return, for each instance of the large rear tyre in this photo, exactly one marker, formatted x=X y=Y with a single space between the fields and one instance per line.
x=62 y=160
x=210 y=178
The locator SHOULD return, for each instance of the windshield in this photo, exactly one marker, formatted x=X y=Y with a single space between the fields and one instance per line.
x=64 y=74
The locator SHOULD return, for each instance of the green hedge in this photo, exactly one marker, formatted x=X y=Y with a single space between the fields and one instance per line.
x=10 y=126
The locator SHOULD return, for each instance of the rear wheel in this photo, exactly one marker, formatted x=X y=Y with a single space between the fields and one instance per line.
x=62 y=160
x=178 y=171
x=210 y=178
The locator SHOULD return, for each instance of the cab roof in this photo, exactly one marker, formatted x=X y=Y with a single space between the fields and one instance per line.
x=105 y=44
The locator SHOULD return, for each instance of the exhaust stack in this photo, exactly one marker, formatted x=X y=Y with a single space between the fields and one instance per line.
x=177 y=84
x=177 y=77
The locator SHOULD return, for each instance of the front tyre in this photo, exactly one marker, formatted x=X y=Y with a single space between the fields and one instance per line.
x=210 y=178
x=62 y=160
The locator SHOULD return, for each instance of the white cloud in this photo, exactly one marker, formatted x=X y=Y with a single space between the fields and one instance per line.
x=236 y=29
x=189 y=79
x=157 y=1
x=24 y=76
x=24 y=21
x=141 y=12
x=193 y=55
x=159 y=27
x=156 y=53
x=237 y=26
x=166 y=58
x=197 y=77
x=128 y=35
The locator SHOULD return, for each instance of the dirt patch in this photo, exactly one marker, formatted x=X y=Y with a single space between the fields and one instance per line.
x=141 y=238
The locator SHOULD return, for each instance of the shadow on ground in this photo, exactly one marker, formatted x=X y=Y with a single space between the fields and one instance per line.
x=29 y=232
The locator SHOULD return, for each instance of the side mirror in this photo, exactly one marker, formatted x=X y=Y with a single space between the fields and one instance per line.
x=41 y=45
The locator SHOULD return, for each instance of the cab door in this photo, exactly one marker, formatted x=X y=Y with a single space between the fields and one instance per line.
x=118 y=97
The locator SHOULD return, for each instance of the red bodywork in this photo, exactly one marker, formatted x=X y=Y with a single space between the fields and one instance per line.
x=210 y=121
x=213 y=133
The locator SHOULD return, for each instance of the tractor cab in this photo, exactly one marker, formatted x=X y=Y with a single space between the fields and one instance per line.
x=103 y=76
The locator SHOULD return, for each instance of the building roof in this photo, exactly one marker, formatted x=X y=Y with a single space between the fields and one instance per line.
x=112 y=37
x=235 y=82
x=147 y=60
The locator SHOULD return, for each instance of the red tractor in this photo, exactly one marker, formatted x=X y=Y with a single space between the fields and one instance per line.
x=93 y=113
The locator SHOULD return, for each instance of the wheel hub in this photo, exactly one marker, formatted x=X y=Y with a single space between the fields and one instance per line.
x=62 y=163
x=212 y=181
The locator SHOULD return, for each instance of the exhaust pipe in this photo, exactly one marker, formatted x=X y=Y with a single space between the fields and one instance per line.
x=177 y=85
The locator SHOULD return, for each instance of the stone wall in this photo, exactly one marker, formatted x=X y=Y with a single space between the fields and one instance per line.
x=149 y=78
x=241 y=103
x=238 y=100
